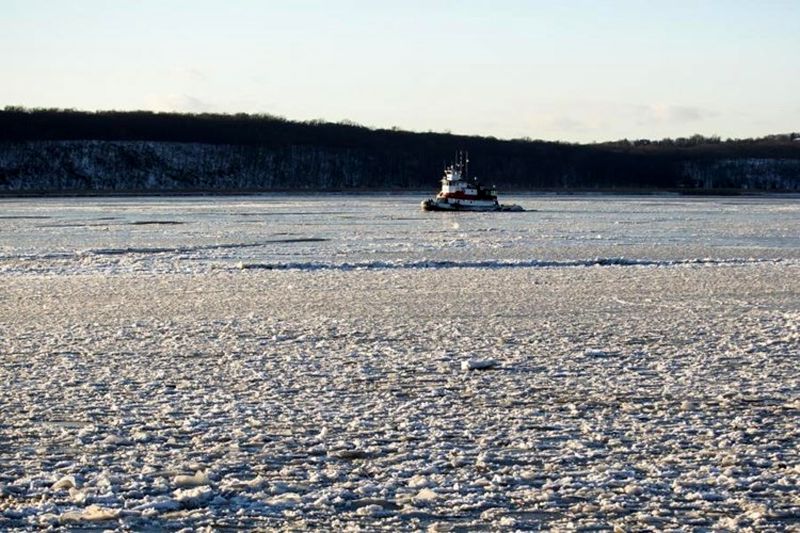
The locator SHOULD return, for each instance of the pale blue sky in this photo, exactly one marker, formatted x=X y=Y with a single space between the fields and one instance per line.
x=560 y=70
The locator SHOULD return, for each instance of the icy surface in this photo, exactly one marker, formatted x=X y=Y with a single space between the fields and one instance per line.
x=336 y=362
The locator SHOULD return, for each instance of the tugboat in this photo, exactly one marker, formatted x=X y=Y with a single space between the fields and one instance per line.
x=461 y=193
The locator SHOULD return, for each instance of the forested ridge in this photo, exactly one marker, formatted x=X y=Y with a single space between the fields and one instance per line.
x=67 y=151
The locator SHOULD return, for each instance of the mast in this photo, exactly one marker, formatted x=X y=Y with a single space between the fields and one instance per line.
x=461 y=164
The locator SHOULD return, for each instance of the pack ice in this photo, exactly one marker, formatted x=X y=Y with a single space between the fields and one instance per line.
x=336 y=362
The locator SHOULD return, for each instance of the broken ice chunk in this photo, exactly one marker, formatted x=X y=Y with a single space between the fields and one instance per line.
x=418 y=482
x=478 y=364
x=198 y=479
x=371 y=510
x=425 y=495
x=195 y=496
x=93 y=513
x=65 y=483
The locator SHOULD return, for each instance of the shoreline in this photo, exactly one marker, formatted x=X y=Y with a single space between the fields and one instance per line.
x=396 y=192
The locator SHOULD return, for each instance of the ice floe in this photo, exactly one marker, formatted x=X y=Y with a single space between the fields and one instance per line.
x=646 y=380
x=478 y=364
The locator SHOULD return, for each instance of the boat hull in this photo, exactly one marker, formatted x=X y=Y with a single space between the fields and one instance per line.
x=432 y=204
x=435 y=205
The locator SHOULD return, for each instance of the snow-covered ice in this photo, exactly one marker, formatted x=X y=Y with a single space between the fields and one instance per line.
x=478 y=364
x=313 y=362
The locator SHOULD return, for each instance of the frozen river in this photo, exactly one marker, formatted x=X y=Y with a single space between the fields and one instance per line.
x=191 y=234
x=304 y=361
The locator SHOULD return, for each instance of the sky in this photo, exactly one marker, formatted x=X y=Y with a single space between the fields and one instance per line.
x=569 y=70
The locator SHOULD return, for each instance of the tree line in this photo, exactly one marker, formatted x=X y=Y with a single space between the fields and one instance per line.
x=391 y=158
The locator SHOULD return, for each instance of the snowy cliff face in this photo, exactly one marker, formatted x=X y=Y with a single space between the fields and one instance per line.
x=751 y=173
x=108 y=166
x=148 y=166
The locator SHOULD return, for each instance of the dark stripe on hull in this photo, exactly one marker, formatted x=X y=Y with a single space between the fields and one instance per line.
x=436 y=206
